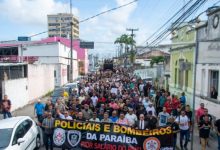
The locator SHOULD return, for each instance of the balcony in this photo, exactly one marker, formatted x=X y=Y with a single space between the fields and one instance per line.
x=16 y=59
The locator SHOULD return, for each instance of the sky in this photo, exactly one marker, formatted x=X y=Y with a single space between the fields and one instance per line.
x=28 y=17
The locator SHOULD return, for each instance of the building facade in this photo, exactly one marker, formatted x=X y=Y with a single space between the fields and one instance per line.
x=208 y=66
x=59 y=25
x=181 y=61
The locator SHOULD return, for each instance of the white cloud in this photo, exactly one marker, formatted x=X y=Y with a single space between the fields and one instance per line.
x=32 y=12
x=108 y=27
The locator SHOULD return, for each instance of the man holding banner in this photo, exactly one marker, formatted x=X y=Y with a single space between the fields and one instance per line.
x=48 y=125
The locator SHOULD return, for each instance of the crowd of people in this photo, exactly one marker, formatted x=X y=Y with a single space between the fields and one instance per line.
x=120 y=97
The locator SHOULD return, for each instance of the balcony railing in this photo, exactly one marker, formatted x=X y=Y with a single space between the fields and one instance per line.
x=14 y=59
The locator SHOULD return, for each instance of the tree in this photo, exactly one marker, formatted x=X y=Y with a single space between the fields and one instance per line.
x=156 y=60
x=126 y=42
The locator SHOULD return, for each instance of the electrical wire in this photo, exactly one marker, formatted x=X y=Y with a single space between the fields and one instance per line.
x=169 y=20
x=180 y=20
x=183 y=17
x=164 y=16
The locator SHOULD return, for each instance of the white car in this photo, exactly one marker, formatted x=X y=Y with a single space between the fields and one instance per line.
x=19 y=133
x=73 y=86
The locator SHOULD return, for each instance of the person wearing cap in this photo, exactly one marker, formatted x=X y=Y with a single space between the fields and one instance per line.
x=132 y=118
x=39 y=110
x=94 y=118
x=152 y=120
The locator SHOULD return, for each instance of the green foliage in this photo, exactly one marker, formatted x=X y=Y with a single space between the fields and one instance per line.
x=156 y=60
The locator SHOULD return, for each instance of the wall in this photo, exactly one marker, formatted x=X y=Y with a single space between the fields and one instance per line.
x=50 y=49
x=40 y=80
x=212 y=107
x=17 y=91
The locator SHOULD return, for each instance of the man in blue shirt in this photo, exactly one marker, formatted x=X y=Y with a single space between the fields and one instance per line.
x=39 y=110
x=114 y=116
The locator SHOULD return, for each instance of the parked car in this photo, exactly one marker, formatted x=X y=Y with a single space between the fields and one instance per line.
x=57 y=93
x=19 y=133
x=73 y=86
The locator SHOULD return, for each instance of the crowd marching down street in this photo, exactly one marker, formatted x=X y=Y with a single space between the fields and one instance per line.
x=120 y=97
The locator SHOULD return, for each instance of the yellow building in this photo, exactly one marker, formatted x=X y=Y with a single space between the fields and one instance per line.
x=182 y=60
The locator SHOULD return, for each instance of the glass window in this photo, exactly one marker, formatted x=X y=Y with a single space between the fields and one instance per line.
x=5 y=137
x=27 y=125
x=214 y=75
x=19 y=133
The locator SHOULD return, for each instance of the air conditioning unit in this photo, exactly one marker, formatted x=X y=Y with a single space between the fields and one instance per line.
x=184 y=65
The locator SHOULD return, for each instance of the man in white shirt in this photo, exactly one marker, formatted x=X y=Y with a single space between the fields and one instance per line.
x=141 y=87
x=184 y=125
x=94 y=118
x=94 y=99
x=65 y=115
x=131 y=117
x=151 y=108
x=163 y=117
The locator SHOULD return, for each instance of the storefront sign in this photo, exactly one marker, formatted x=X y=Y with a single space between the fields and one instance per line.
x=109 y=136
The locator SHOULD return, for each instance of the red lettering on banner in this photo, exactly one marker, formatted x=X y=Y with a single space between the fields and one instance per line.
x=134 y=148
x=121 y=147
x=86 y=144
x=105 y=146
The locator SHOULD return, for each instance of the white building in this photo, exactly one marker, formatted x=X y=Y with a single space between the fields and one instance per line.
x=208 y=66
x=23 y=83
x=56 y=53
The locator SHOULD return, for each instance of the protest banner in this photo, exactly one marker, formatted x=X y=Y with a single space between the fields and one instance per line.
x=109 y=136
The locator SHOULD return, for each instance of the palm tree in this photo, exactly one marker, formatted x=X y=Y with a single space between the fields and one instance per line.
x=120 y=42
x=125 y=42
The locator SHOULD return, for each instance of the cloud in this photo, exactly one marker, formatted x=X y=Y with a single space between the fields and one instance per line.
x=109 y=26
x=32 y=12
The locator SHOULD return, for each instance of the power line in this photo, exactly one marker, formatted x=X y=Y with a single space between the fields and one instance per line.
x=170 y=19
x=180 y=20
x=84 y=20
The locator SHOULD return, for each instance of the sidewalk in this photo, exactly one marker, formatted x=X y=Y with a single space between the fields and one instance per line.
x=213 y=143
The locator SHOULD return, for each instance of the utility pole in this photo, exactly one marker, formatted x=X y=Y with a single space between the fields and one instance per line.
x=132 y=35
x=71 y=45
x=132 y=45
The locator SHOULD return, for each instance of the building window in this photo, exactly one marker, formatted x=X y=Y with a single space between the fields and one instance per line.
x=181 y=74
x=186 y=78
x=214 y=76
